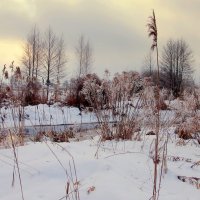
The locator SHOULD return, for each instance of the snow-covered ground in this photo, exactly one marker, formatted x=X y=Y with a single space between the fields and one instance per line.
x=44 y=115
x=113 y=170
x=121 y=170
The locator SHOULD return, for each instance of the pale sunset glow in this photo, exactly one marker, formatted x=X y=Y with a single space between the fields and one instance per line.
x=10 y=48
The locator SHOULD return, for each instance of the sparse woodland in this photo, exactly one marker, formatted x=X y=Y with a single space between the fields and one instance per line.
x=149 y=120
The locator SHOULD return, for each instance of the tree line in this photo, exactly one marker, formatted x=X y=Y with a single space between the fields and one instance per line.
x=44 y=57
x=176 y=63
x=45 y=60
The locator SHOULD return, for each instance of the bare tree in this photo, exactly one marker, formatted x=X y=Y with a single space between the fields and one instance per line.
x=61 y=61
x=39 y=55
x=176 y=65
x=60 y=66
x=80 y=55
x=84 y=56
x=148 y=64
x=50 y=55
x=26 y=59
x=32 y=58
x=88 y=58
x=54 y=59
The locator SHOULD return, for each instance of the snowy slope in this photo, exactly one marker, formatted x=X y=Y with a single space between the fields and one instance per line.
x=120 y=170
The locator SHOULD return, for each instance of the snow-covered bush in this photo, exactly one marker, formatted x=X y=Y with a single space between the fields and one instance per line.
x=150 y=95
x=32 y=93
x=188 y=117
x=113 y=102
x=74 y=96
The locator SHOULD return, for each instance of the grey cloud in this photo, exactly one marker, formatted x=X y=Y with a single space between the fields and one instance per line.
x=117 y=41
x=116 y=45
x=13 y=25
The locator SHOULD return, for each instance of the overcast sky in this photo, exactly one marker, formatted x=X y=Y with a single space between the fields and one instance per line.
x=116 y=28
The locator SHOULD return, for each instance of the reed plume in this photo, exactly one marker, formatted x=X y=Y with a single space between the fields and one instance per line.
x=152 y=30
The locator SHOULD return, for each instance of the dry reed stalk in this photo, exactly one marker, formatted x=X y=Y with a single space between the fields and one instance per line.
x=73 y=189
x=17 y=163
x=153 y=32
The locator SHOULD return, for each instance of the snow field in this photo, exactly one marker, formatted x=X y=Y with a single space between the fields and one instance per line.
x=120 y=170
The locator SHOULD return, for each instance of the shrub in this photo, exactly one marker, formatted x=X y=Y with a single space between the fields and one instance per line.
x=75 y=97
x=61 y=136
x=188 y=118
x=31 y=94
x=112 y=101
